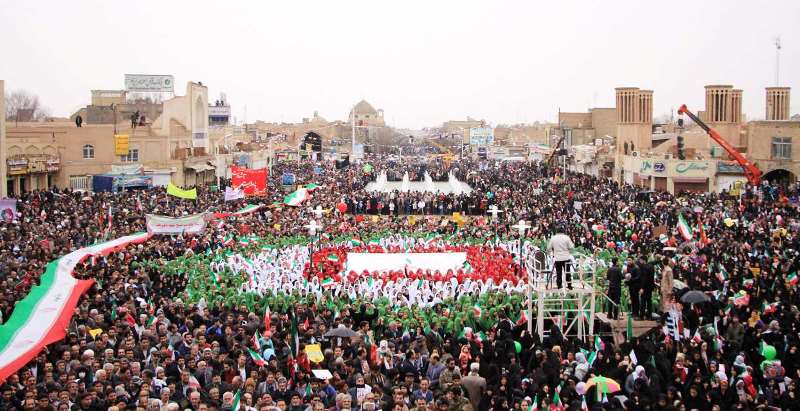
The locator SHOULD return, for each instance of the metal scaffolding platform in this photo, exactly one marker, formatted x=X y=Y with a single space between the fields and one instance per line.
x=573 y=310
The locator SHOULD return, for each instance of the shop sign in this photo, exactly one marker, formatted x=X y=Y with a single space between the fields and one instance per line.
x=685 y=167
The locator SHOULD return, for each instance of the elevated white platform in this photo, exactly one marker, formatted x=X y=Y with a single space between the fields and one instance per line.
x=452 y=186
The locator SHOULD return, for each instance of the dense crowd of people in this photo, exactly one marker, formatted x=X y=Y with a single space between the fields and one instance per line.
x=160 y=348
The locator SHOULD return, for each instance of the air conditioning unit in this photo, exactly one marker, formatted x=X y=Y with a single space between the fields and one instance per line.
x=635 y=153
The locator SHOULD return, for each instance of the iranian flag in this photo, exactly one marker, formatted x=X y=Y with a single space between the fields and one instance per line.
x=523 y=318
x=267 y=318
x=741 y=298
x=228 y=240
x=356 y=242
x=42 y=317
x=684 y=228
x=297 y=197
x=333 y=257
x=257 y=359
x=722 y=274
x=375 y=242
x=250 y=208
x=237 y=401
x=599 y=345
x=556 y=404
x=792 y=279
x=770 y=308
x=431 y=238
x=476 y=309
x=534 y=406
x=328 y=282
x=257 y=341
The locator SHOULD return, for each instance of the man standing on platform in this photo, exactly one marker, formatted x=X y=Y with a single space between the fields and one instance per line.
x=614 y=277
x=634 y=281
x=560 y=247
x=647 y=273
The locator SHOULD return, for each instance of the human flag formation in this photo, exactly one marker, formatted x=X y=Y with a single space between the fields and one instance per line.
x=176 y=191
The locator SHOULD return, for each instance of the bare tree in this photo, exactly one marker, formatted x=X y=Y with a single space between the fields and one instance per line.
x=22 y=105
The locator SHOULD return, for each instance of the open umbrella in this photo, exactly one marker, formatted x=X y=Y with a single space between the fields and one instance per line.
x=604 y=385
x=341 y=331
x=695 y=297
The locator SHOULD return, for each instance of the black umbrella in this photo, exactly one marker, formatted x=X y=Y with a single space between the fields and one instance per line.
x=695 y=297
x=341 y=331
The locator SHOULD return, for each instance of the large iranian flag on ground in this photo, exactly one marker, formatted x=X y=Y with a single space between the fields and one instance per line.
x=43 y=315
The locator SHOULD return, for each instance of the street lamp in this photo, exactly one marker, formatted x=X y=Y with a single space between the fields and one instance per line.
x=313 y=232
x=521 y=227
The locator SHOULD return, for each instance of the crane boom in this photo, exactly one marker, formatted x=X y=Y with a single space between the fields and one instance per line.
x=555 y=149
x=752 y=172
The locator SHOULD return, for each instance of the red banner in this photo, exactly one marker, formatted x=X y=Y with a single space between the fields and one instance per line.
x=252 y=182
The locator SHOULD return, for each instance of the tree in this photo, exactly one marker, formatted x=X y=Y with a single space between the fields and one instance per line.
x=22 y=105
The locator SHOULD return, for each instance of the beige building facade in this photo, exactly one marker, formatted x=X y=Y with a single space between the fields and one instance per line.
x=173 y=147
x=583 y=128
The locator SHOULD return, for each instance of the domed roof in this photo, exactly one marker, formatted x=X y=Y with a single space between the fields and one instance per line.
x=364 y=108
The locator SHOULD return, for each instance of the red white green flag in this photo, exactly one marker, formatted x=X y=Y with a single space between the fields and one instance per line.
x=43 y=315
x=257 y=359
x=684 y=228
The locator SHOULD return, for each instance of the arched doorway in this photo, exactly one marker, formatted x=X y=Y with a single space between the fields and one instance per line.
x=780 y=176
x=312 y=143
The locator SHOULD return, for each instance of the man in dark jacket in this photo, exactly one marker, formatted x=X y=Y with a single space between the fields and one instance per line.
x=647 y=274
x=633 y=280
x=614 y=276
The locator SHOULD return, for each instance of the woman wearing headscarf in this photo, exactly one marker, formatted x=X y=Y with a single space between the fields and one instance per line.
x=630 y=382
x=581 y=366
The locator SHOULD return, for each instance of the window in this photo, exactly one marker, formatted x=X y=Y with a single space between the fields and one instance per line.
x=782 y=147
x=132 y=157
x=88 y=151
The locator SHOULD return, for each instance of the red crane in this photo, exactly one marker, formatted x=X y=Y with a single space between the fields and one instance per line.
x=556 y=149
x=752 y=172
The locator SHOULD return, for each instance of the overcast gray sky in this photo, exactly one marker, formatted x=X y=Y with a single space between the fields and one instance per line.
x=423 y=62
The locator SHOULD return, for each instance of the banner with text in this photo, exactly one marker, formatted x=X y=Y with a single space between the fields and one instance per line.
x=252 y=181
x=157 y=224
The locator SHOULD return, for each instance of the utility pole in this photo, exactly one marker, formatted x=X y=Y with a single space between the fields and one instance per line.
x=3 y=165
x=353 y=133
x=777 y=61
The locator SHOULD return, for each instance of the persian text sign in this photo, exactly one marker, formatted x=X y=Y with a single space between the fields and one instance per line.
x=157 y=224
x=481 y=135
x=149 y=83
x=252 y=181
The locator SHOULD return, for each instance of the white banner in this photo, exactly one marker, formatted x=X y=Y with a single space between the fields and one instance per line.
x=149 y=83
x=127 y=169
x=233 y=193
x=359 y=262
x=158 y=224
